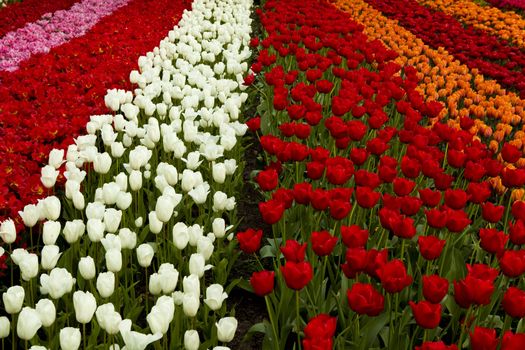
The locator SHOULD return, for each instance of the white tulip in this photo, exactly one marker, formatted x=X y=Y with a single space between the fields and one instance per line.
x=56 y=158
x=145 y=254
x=70 y=338
x=102 y=163
x=122 y=181
x=155 y=225
x=135 y=340
x=180 y=235
x=215 y=296
x=110 y=192
x=72 y=186
x=51 y=230
x=8 y=231
x=191 y=340
x=155 y=284
x=49 y=176
x=29 y=266
x=28 y=323
x=128 y=238
x=5 y=327
x=205 y=247
x=164 y=208
x=114 y=260
x=86 y=267
x=200 y=193
x=30 y=215
x=135 y=180
x=57 y=283
x=78 y=200
x=13 y=299
x=226 y=328
x=95 y=210
x=191 y=285
x=161 y=315
x=170 y=277
x=51 y=208
x=195 y=233
x=50 y=255
x=231 y=166
x=197 y=265
x=108 y=318
x=73 y=230
x=85 y=305
x=112 y=219
x=106 y=284
x=117 y=149
x=124 y=200
x=190 y=304
x=95 y=229
x=46 y=311
x=219 y=172
x=139 y=157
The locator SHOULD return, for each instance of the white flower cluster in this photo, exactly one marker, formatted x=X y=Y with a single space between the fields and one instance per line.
x=170 y=146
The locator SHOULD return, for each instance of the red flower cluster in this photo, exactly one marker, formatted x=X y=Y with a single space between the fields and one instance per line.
x=319 y=332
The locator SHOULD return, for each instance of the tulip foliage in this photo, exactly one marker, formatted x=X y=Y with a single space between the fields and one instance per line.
x=386 y=229
x=136 y=248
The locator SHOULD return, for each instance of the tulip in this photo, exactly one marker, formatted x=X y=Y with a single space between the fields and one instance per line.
x=169 y=277
x=226 y=328
x=128 y=238
x=86 y=267
x=51 y=208
x=70 y=338
x=102 y=163
x=164 y=208
x=161 y=315
x=117 y=149
x=195 y=232
x=262 y=282
x=180 y=235
x=200 y=193
x=85 y=305
x=145 y=254
x=108 y=318
x=30 y=215
x=205 y=247
x=57 y=283
x=51 y=230
x=135 y=180
x=155 y=284
x=28 y=323
x=197 y=265
x=155 y=225
x=215 y=296
x=219 y=172
x=50 y=256
x=79 y=201
x=124 y=200
x=135 y=340
x=5 y=327
x=46 y=311
x=13 y=299
x=106 y=284
x=112 y=219
x=73 y=230
x=114 y=260
x=29 y=266
x=95 y=210
x=219 y=227
x=8 y=231
x=95 y=229
x=191 y=340
x=56 y=158
x=49 y=176
x=190 y=304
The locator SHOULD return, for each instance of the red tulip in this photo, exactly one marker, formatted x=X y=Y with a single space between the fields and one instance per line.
x=365 y=299
x=323 y=243
x=517 y=232
x=427 y=315
x=297 y=274
x=250 y=240
x=483 y=339
x=514 y=302
x=513 y=341
x=512 y=263
x=272 y=211
x=430 y=247
x=262 y=282
x=294 y=251
x=492 y=240
x=353 y=236
x=321 y=326
x=393 y=276
x=366 y=198
x=434 y=288
x=430 y=198
x=402 y=186
x=510 y=153
x=268 y=179
x=492 y=213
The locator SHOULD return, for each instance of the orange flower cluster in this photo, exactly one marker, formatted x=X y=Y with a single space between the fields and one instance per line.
x=507 y=25
x=464 y=92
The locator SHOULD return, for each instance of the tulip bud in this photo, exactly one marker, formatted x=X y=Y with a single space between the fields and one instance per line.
x=191 y=340
x=190 y=304
x=29 y=266
x=70 y=338
x=117 y=149
x=56 y=158
x=164 y=208
x=28 y=323
x=128 y=238
x=219 y=172
x=135 y=180
x=124 y=200
x=155 y=225
x=226 y=328
x=51 y=208
x=86 y=267
x=73 y=230
x=5 y=327
x=49 y=176
x=8 y=231
x=102 y=163
x=197 y=265
x=57 y=283
x=46 y=311
x=95 y=229
x=180 y=235
x=106 y=284
x=112 y=219
x=145 y=254
x=155 y=284
x=13 y=299
x=51 y=230
x=108 y=318
x=114 y=260
x=30 y=215
x=85 y=305
x=219 y=227
x=215 y=296
x=78 y=200
x=50 y=255
x=169 y=277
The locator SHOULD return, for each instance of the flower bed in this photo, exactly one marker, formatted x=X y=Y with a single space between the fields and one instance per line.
x=77 y=74
x=141 y=236
x=386 y=233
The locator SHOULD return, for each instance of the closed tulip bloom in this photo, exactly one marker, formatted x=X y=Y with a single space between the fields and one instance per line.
x=47 y=312
x=108 y=318
x=106 y=284
x=86 y=267
x=128 y=238
x=70 y=338
x=49 y=176
x=215 y=296
x=297 y=274
x=135 y=180
x=427 y=315
x=51 y=208
x=169 y=277
x=50 y=256
x=262 y=282
x=191 y=285
x=191 y=340
x=85 y=305
x=51 y=230
x=155 y=284
x=161 y=315
x=197 y=265
x=483 y=339
x=219 y=227
x=8 y=231
x=29 y=266
x=30 y=215
x=114 y=260
x=435 y=288
x=164 y=208
x=155 y=225
x=13 y=299
x=145 y=254
x=514 y=302
x=112 y=219
x=95 y=229
x=56 y=158
x=219 y=172
x=124 y=200
x=102 y=163
x=135 y=340
x=28 y=323
x=226 y=328
x=365 y=299
x=73 y=230
x=5 y=327
x=190 y=304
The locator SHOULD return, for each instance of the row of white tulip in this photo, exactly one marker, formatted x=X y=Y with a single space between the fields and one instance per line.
x=149 y=198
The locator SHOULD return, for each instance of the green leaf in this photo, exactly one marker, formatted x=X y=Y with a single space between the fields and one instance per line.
x=267 y=251
x=373 y=327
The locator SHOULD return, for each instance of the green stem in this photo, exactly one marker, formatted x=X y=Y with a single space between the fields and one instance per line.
x=298 y=320
x=272 y=322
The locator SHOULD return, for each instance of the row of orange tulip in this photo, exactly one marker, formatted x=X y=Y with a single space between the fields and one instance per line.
x=497 y=113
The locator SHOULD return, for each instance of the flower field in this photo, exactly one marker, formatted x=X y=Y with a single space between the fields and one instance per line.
x=283 y=174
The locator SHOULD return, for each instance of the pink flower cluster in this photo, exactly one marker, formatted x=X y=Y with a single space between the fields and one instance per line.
x=517 y=4
x=53 y=30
